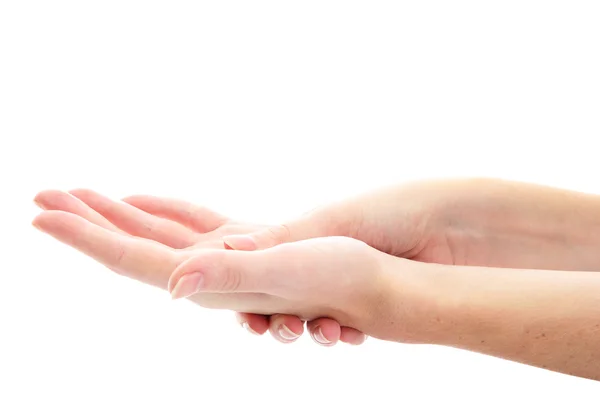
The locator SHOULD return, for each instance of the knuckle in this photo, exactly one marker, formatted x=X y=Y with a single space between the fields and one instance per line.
x=118 y=260
x=231 y=280
x=120 y=256
x=151 y=227
x=219 y=274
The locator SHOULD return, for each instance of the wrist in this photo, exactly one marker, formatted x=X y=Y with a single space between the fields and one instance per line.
x=539 y=317
x=410 y=305
x=439 y=304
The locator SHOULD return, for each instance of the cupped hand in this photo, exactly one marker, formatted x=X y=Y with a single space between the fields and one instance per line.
x=146 y=237
x=335 y=277
x=430 y=221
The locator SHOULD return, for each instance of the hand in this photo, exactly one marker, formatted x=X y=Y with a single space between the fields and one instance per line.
x=81 y=217
x=455 y=222
x=519 y=314
x=473 y=222
x=334 y=277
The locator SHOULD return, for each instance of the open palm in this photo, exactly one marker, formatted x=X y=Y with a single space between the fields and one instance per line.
x=146 y=237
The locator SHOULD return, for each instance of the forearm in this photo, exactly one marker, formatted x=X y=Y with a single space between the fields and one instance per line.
x=550 y=319
x=542 y=227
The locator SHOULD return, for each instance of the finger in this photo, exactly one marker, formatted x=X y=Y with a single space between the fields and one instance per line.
x=352 y=336
x=324 y=331
x=62 y=201
x=256 y=324
x=286 y=328
x=149 y=262
x=285 y=271
x=137 y=222
x=282 y=271
x=198 y=218
x=224 y=271
x=306 y=227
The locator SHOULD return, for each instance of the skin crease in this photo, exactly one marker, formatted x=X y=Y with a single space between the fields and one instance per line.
x=505 y=224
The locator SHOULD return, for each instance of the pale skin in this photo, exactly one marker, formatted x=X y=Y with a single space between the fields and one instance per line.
x=75 y=217
x=503 y=268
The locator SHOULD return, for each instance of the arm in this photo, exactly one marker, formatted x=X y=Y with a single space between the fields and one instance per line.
x=549 y=319
x=500 y=223
x=477 y=221
x=544 y=318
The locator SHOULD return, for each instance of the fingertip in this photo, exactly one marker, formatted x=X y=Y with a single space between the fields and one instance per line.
x=38 y=200
x=46 y=199
x=187 y=285
x=54 y=200
x=35 y=223
x=45 y=218
x=185 y=267
x=55 y=222
x=286 y=328
x=202 y=263
x=352 y=336
x=325 y=331
x=254 y=323
x=249 y=328
x=133 y=199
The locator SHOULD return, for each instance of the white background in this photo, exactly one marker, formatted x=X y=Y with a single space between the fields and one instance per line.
x=262 y=110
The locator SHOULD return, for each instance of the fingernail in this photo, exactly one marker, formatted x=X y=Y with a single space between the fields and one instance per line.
x=187 y=285
x=286 y=333
x=246 y=326
x=239 y=242
x=320 y=338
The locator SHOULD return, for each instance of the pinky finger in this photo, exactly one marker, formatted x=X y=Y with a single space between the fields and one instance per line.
x=352 y=336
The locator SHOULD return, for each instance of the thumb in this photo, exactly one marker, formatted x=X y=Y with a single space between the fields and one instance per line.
x=272 y=271
x=222 y=271
x=306 y=227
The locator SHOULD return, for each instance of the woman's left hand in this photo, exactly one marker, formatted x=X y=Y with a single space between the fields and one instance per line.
x=170 y=230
